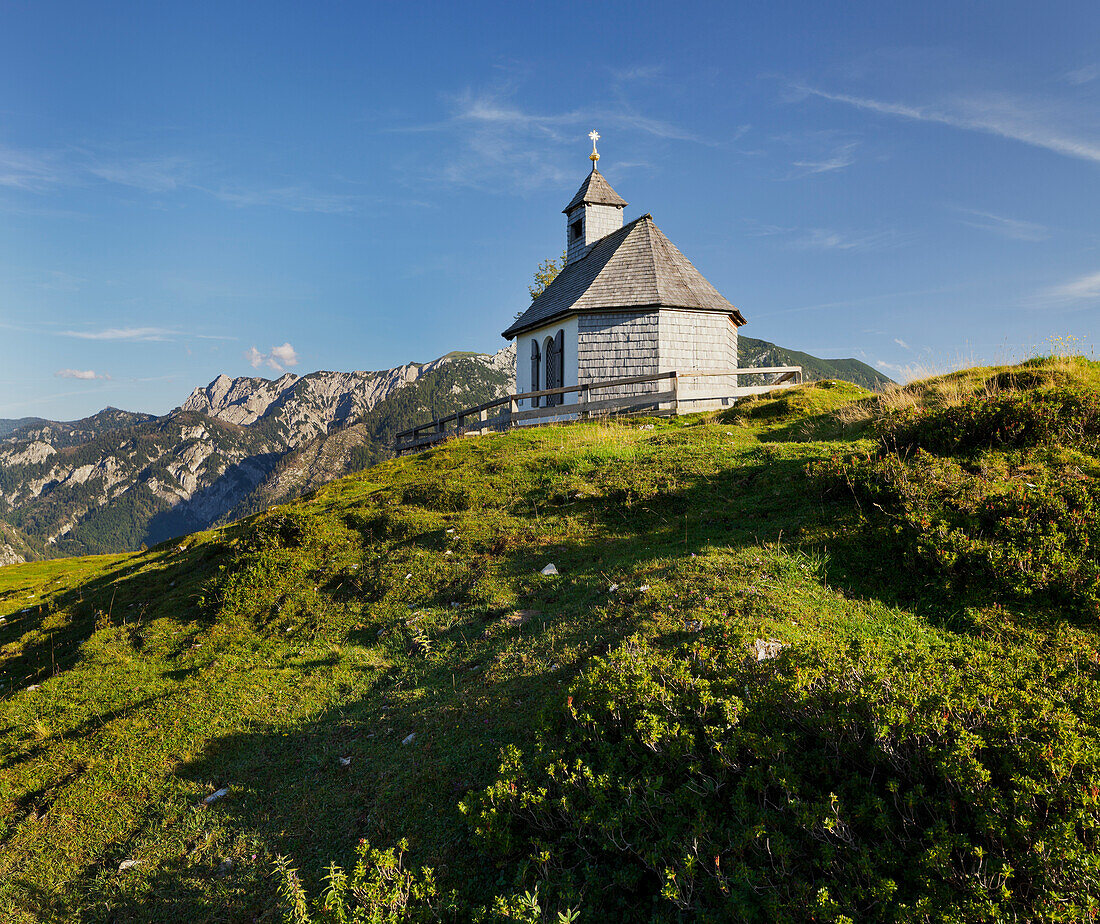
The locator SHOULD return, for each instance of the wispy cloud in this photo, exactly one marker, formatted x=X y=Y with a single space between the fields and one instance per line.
x=1002 y=115
x=279 y=359
x=901 y=343
x=494 y=139
x=828 y=238
x=30 y=170
x=41 y=172
x=1012 y=228
x=132 y=334
x=905 y=372
x=640 y=72
x=86 y=374
x=1081 y=75
x=841 y=157
x=292 y=198
x=153 y=175
x=1080 y=292
x=488 y=108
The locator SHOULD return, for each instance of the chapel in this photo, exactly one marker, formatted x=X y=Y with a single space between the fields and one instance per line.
x=627 y=303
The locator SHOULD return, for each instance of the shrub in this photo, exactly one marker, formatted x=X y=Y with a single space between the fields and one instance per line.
x=380 y=890
x=1029 y=531
x=956 y=782
x=1067 y=415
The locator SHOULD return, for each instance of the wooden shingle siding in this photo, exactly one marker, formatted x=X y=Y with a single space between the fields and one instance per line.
x=696 y=341
x=618 y=344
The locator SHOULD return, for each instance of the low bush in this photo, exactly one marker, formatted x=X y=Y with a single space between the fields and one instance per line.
x=954 y=782
x=379 y=890
x=1015 y=419
x=1019 y=529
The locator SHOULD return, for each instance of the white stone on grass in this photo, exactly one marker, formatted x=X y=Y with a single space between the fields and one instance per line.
x=765 y=649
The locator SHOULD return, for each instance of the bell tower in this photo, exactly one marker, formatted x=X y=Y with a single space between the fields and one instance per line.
x=594 y=212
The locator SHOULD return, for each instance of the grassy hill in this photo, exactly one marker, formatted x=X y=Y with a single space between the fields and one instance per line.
x=830 y=656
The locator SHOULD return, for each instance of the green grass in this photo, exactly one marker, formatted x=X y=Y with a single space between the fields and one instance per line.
x=385 y=605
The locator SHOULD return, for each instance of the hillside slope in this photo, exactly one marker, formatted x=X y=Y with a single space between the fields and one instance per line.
x=783 y=672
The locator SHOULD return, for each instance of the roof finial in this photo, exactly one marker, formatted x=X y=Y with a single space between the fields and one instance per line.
x=595 y=155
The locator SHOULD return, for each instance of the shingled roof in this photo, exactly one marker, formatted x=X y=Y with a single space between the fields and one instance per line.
x=595 y=190
x=634 y=267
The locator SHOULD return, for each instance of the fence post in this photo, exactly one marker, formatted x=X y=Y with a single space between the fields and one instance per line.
x=513 y=408
x=675 y=393
x=583 y=401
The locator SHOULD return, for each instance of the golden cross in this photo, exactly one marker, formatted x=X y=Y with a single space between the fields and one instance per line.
x=595 y=136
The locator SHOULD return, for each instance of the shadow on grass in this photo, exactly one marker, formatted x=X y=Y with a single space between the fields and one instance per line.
x=120 y=596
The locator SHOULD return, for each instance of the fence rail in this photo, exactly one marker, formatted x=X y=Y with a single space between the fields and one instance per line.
x=669 y=393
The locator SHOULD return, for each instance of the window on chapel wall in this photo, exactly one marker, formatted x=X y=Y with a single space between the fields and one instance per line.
x=576 y=230
x=555 y=366
x=536 y=368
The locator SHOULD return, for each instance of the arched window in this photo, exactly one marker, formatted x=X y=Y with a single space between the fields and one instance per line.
x=555 y=366
x=536 y=370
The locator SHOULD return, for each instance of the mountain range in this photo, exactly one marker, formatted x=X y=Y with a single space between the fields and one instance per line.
x=119 y=480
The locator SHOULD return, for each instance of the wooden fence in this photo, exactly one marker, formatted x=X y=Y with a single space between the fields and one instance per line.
x=668 y=394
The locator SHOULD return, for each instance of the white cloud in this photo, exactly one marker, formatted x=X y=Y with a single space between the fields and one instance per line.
x=158 y=174
x=130 y=334
x=1012 y=228
x=29 y=170
x=841 y=157
x=901 y=343
x=828 y=239
x=279 y=359
x=41 y=171
x=87 y=374
x=292 y=198
x=1082 y=75
x=1002 y=115
x=495 y=140
x=906 y=372
x=1082 y=292
x=638 y=73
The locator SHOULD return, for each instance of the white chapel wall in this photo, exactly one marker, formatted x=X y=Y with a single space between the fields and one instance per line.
x=523 y=357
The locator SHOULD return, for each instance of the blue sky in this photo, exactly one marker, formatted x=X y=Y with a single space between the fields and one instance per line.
x=194 y=188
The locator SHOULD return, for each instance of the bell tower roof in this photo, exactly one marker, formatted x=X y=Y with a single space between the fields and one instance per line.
x=595 y=190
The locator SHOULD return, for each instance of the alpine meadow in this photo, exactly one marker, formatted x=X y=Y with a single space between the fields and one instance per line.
x=830 y=655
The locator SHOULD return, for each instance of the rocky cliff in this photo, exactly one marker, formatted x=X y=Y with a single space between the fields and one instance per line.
x=118 y=480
